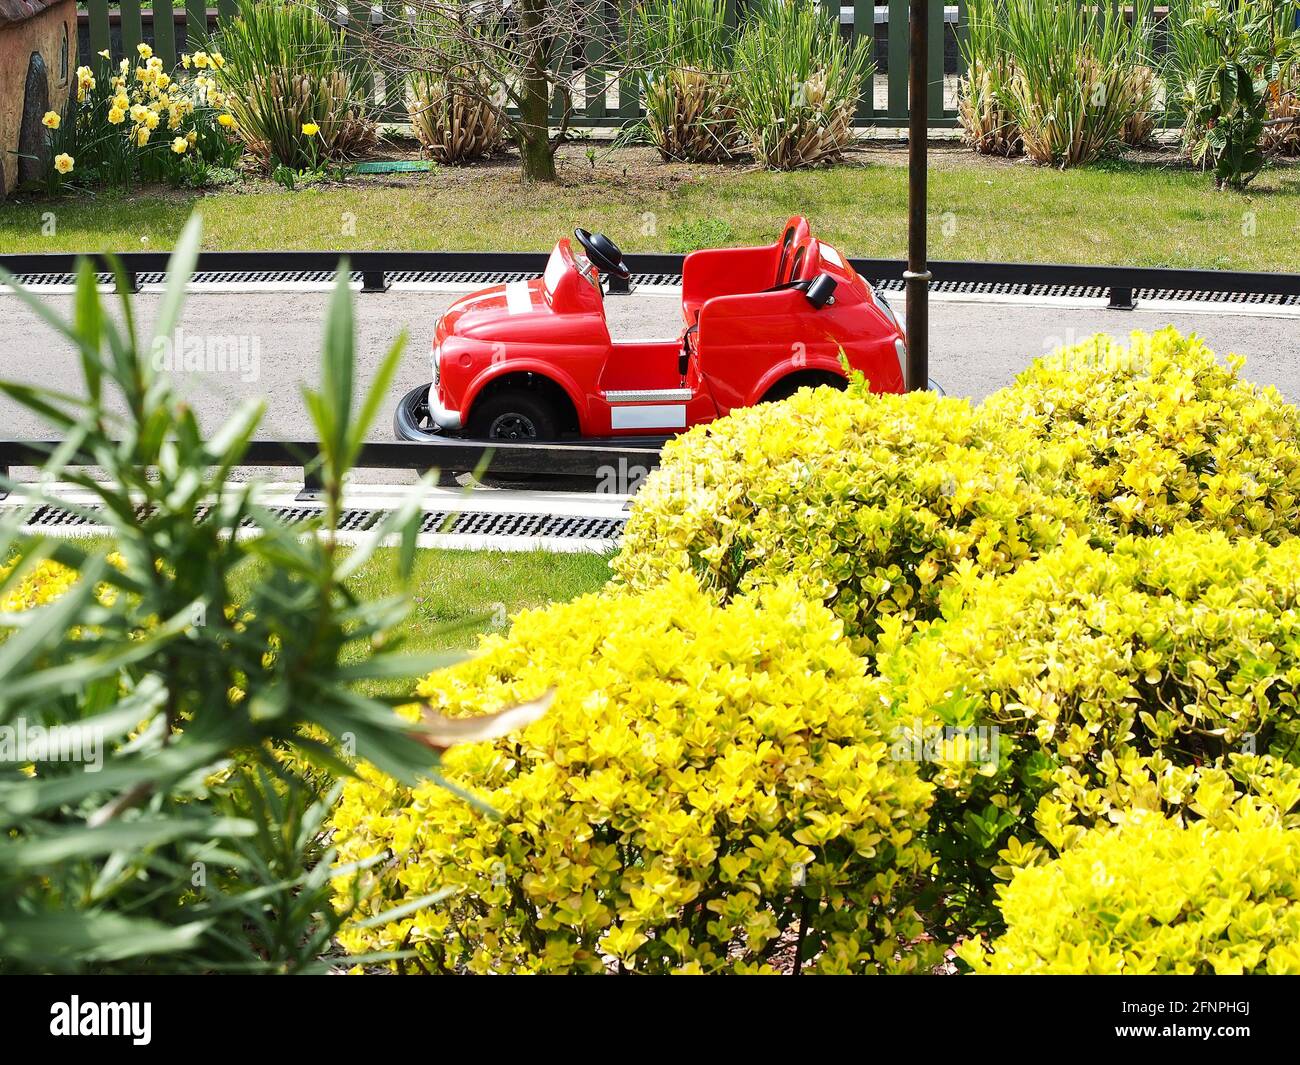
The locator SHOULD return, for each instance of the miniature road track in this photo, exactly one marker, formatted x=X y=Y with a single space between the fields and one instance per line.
x=978 y=344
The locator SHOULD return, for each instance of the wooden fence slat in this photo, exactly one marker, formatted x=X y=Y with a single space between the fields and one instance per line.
x=99 y=37
x=164 y=33
x=392 y=105
x=357 y=28
x=597 y=49
x=934 y=66
x=196 y=24
x=227 y=8
x=898 y=65
x=963 y=33
x=564 y=76
x=131 y=30
x=629 y=87
x=864 y=30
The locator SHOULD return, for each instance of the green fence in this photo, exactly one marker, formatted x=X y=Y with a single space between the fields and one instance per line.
x=599 y=99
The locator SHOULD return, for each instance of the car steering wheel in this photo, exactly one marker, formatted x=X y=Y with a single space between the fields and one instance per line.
x=603 y=253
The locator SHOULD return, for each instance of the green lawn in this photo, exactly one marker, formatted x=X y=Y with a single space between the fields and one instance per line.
x=1152 y=213
x=458 y=595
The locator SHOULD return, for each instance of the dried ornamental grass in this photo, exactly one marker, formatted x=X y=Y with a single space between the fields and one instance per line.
x=798 y=85
x=691 y=116
x=685 y=49
x=286 y=68
x=1282 y=134
x=1143 y=86
x=987 y=125
x=1072 y=92
x=272 y=110
x=455 y=126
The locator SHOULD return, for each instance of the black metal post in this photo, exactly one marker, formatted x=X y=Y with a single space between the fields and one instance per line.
x=374 y=281
x=1121 y=299
x=313 y=489
x=917 y=276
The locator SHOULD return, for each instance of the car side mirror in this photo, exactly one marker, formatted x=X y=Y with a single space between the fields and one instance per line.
x=821 y=290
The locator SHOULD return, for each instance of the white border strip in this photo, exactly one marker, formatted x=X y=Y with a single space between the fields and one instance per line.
x=553 y=545
x=389 y=497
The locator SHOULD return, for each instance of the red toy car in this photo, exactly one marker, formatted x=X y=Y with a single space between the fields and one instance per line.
x=533 y=360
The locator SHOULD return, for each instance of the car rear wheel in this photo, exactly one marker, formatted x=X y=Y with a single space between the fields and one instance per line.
x=514 y=415
x=788 y=386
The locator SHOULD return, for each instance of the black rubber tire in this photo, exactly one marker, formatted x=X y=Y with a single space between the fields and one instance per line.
x=788 y=387
x=517 y=415
x=411 y=420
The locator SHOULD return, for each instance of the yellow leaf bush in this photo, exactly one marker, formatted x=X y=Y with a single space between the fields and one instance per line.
x=1161 y=675
x=706 y=776
x=1156 y=434
x=1156 y=896
x=42 y=583
x=873 y=503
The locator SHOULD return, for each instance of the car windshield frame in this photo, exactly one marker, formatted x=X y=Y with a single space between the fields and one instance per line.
x=564 y=260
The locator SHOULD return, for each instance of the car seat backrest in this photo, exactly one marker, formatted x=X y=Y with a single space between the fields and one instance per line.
x=784 y=260
x=797 y=263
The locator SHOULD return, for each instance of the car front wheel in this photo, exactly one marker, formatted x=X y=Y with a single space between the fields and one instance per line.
x=514 y=415
x=412 y=419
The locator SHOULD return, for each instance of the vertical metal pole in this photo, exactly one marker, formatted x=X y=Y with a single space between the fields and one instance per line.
x=917 y=276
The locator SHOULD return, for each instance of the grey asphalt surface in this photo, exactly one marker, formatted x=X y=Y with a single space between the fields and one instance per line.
x=976 y=347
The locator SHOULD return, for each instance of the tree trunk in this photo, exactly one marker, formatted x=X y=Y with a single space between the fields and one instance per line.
x=536 y=152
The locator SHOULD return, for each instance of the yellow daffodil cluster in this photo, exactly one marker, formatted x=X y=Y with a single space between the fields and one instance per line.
x=875 y=503
x=1160 y=673
x=1156 y=434
x=1156 y=896
x=142 y=97
x=706 y=775
x=203 y=61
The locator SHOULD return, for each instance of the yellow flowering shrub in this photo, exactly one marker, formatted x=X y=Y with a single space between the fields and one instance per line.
x=1160 y=675
x=42 y=583
x=873 y=503
x=706 y=776
x=1157 y=434
x=1156 y=896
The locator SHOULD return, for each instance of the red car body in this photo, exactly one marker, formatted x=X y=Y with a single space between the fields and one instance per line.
x=751 y=332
